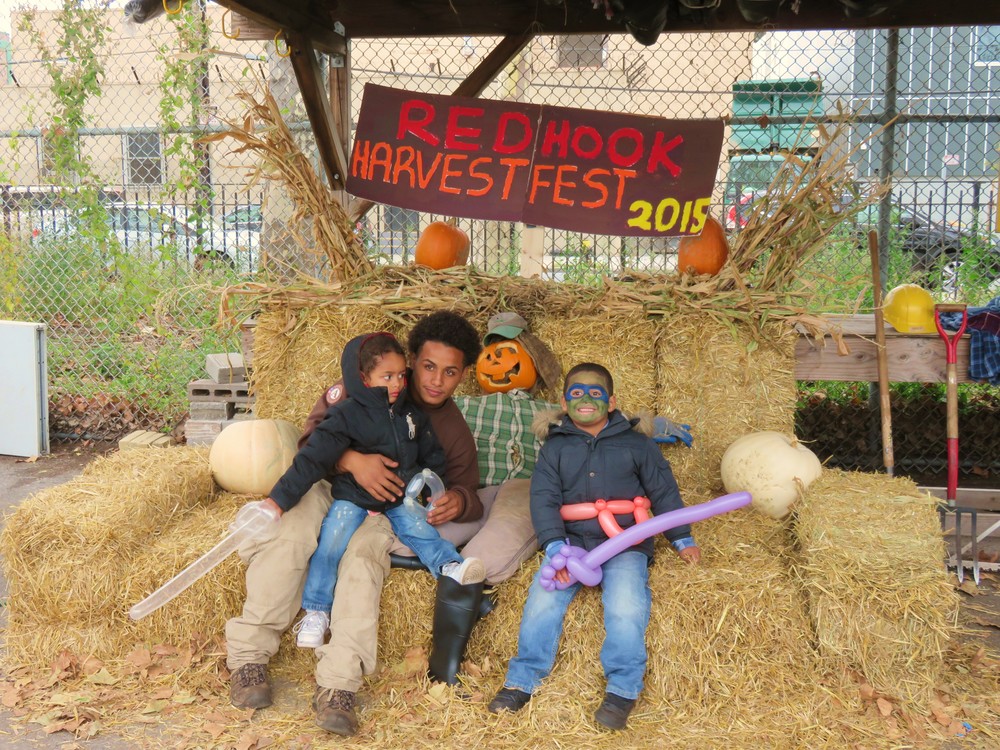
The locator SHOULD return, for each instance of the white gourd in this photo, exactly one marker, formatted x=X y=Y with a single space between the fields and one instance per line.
x=770 y=466
x=249 y=457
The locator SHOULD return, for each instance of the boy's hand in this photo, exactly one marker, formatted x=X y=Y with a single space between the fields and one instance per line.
x=446 y=508
x=373 y=473
x=562 y=575
x=272 y=505
x=690 y=555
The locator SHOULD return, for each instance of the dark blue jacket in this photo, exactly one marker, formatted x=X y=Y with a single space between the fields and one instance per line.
x=620 y=463
x=367 y=423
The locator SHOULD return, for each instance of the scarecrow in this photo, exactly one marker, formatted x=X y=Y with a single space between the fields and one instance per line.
x=513 y=358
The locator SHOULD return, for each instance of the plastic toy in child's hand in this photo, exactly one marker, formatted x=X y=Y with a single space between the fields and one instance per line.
x=585 y=567
x=433 y=483
x=253 y=521
x=666 y=431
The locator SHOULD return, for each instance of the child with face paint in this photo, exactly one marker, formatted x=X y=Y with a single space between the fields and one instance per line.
x=593 y=452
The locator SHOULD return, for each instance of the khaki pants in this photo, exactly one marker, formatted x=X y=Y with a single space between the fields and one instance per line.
x=276 y=572
x=503 y=541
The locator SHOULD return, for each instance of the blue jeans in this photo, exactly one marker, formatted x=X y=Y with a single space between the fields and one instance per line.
x=627 y=600
x=339 y=526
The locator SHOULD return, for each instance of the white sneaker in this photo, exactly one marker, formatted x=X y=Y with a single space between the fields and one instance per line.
x=312 y=629
x=470 y=570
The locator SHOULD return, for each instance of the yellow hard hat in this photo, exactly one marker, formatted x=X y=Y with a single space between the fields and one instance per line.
x=910 y=309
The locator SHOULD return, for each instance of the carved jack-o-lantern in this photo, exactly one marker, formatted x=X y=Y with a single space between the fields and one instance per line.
x=505 y=365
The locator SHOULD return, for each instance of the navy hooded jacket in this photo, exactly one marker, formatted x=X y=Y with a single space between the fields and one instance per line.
x=620 y=463
x=367 y=423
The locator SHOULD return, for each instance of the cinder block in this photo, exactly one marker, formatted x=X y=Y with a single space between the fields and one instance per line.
x=203 y=431
x=241 y=415
x=144 y=439
x=207 y=410
x=226 y=368
x=208 y=390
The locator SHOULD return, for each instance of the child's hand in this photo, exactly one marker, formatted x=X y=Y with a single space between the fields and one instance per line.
x=690 y=555
x=268 y=502
x=562 y=575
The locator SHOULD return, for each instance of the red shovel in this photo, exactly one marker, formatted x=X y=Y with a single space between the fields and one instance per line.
x=951 y=351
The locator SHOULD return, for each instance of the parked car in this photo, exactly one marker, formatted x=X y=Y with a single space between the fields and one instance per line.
x=248 y=218
x=161 y=232
x=937 y=251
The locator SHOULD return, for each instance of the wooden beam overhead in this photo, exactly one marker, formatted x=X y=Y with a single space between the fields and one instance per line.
x=444 y=18
x=311 y=20
x=317 y=104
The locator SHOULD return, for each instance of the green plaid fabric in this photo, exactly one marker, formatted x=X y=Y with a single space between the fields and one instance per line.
x=501 y=425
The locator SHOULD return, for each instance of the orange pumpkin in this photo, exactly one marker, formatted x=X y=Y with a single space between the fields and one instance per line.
x=505 y=365
x=442 y=245
x=705 y=253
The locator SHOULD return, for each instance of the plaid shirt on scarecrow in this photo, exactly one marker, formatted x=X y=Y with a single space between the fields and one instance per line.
x=501 y=425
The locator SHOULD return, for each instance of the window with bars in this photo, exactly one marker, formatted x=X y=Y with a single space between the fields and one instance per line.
x=987 y=45
x=583 y=51
x=48 y=157
x=143 y=159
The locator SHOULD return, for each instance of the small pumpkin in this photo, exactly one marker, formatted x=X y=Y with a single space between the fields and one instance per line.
x=772 y=467
x=505 y=365
x=248 y=457
x=706 y=253
x=442 y=245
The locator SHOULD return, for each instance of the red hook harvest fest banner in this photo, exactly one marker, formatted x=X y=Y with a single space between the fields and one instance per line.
x=575 y=169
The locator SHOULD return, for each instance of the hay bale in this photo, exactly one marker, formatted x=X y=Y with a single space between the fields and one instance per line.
x=296 y=358
x=56 y=541
x=872 y=565
x=724 y=383
x=625 y=344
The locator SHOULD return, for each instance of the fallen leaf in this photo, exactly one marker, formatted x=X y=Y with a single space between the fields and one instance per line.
x=941 y=717
x=215 y=730
x=163 y=693
x=969 y=587
x=91 y=665
x=154 y=707
x=11 y=697
x=103 y=677
x=438 y=692
x=884 y=706
x=867 y=691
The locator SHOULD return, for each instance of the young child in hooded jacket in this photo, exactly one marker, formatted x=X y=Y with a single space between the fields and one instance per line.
x=375 y=418
x=594 y=453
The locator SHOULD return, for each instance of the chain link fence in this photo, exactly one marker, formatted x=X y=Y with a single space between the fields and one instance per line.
x=117 y=221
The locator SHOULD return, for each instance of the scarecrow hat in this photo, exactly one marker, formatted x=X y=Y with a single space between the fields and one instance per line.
x=504 y=326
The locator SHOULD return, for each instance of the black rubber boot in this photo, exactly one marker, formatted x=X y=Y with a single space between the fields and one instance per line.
x=455 y=612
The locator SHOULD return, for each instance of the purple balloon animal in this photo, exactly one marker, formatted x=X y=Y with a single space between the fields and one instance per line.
x=585 y=567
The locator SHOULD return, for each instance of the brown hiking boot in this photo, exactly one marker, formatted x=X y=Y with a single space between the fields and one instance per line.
x=249 y=688
x=335 y=711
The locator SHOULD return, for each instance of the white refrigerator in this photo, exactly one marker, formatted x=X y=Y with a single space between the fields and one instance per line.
x=24 y=411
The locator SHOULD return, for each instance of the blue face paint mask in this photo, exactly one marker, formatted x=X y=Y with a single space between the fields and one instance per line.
x=582 y=390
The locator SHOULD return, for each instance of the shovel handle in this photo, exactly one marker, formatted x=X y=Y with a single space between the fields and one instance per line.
x=951 y=341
